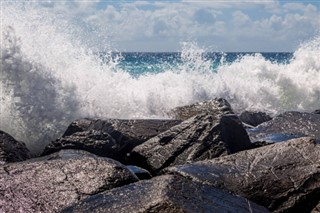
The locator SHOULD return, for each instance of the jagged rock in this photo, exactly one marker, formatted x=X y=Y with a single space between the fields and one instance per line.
x=287 y=126
x=198 y=138
x=112 y=138
x=12 y=150
x=218 y=106
x=169 y=194
x=254 y=118
x=53 y=182
x=284 y=177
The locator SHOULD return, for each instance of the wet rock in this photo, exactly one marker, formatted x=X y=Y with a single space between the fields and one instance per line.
x=287 y=126
x=198 y=138
x=165 y=194
x=12 y=150
x=112 y=138
x=53 y=182
x=218 y=106
x=284 y=177
x=254 y=118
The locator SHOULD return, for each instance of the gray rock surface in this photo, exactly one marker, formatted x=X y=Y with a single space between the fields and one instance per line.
x=112 y=138
x=198 y=138
x=53 y=182
x=218 y=106
x=287 y=126
x=167 y=194
x=284 y=177
x=254 y=118
x=12 y=150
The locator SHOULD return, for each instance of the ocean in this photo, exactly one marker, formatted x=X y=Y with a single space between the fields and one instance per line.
x=50 y=77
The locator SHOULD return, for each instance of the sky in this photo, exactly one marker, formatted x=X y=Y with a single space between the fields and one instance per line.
x=217 y=25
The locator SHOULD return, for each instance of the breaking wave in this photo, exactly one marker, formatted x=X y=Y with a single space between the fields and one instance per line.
x=49 y=77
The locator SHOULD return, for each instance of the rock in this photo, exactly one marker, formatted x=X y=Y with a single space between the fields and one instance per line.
x=254 y=118
x=284 y=177
x=218 y=106
x=53 y=182
x=78 y=126
x=287 y=126
x=260 y=144
x=12 y=150
x=316 y=209
x=198 y=138
x=94 y=141
x=169 y=194
x=317 y=111
x=108 y=138
x=141 y=173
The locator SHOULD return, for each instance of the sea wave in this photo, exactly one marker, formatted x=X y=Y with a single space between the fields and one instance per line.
x=49 y=77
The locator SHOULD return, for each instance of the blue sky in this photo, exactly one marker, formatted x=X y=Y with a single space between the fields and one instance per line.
x=224 y=25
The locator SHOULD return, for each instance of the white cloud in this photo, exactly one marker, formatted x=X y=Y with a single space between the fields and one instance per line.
x=141 y=25
x=240 y=19
x=294 y=6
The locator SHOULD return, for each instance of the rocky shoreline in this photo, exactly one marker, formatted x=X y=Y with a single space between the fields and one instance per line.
x=206 y=159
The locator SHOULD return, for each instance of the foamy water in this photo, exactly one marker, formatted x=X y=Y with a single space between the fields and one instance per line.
x=49 y=77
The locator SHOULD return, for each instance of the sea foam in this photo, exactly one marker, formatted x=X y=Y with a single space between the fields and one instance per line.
x=50 y=76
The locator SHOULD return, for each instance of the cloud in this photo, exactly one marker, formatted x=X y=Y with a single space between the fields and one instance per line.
x=162 y=25
x=240 y=19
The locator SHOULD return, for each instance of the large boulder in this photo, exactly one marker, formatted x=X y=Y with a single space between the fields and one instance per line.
x=254 y=118
x=217 y=106
x=12 y=150
x=167 y=194
x=112 y=138
x=53 y=182
x=198 y=138
x=287 y=126
x=284 y=177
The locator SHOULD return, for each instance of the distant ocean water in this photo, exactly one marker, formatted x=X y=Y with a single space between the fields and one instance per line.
x=49 y=78
x=140 y=63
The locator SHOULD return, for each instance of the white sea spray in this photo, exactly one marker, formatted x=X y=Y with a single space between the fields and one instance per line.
x=49 y=77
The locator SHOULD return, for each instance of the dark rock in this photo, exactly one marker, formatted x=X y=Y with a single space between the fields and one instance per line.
x=94 y=141
x=12 y=150
x=198 y=138
x=53 y=182
x=169 y=194
x=317 y=111
x=109 y=138
x=78 y=126
x=141 y=173
x=254 y=118
x=233 y=134
x=284 y=177
x=260 y=144
x=287 y=126
x=316 y=209
x=215 y=107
